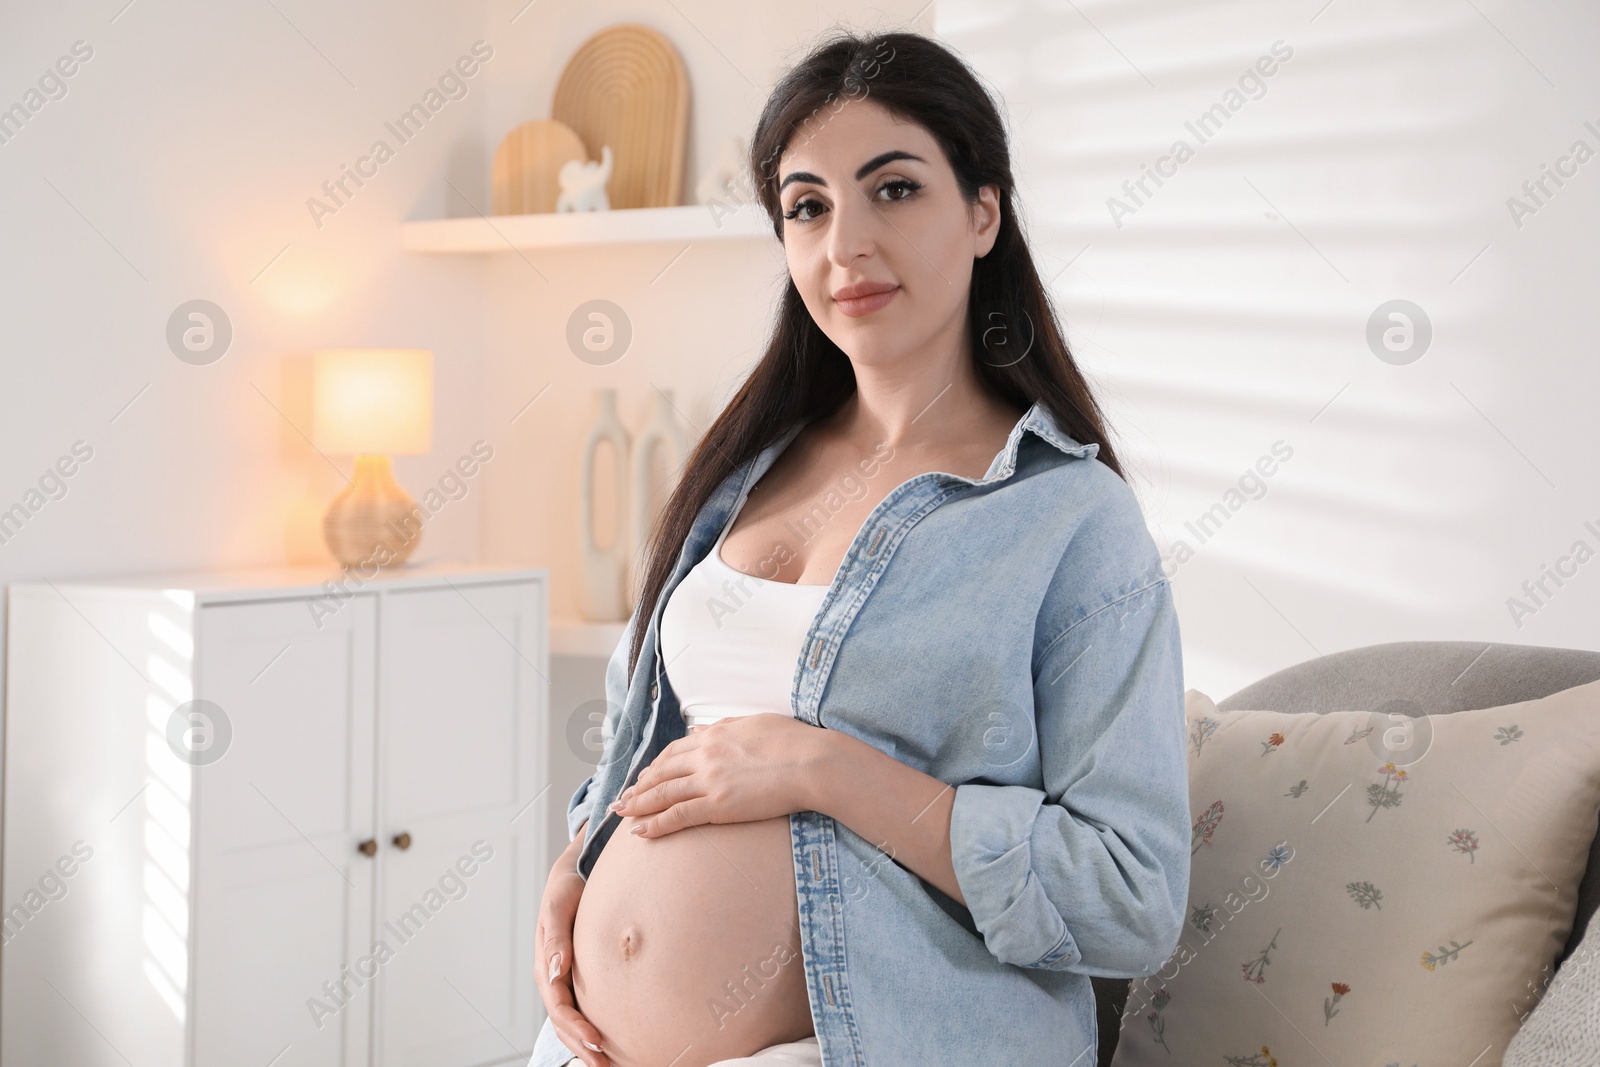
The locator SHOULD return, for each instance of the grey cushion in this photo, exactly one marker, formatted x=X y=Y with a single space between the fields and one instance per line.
x=1564 y=1028
x=1414 y=678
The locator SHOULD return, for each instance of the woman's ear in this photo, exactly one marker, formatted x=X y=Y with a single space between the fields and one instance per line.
x=986 y=214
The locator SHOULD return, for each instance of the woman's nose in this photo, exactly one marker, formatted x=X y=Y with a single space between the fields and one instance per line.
x=852 y=230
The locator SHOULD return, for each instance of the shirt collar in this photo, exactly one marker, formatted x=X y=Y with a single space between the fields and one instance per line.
x=1042 y=424
x=1036 y=419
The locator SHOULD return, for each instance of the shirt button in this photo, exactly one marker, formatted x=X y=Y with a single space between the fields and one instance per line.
x=655 y=690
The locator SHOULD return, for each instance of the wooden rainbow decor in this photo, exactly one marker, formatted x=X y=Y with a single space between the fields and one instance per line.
x=626 y=87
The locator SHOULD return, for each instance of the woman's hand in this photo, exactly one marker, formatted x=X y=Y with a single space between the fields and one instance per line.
x=556 y=914
x=742 y=768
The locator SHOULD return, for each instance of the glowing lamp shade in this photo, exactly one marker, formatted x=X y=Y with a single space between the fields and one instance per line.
x=373 y=403
x=374 y=400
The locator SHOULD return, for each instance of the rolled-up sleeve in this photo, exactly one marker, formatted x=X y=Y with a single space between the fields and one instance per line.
x=1091 y=873
x=581 y=804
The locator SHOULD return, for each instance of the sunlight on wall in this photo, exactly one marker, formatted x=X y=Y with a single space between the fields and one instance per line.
x=1307 y=493
x=167 y=826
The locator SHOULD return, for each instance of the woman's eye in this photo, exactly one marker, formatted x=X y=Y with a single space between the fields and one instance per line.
x=904 y=186
x=803 y=210
x=808 y=208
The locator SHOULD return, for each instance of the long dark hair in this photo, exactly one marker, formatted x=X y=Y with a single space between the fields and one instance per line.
x=803 y=375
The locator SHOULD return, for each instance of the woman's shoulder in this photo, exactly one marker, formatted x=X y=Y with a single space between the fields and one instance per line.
x=1107 y=552
x=1084 y=495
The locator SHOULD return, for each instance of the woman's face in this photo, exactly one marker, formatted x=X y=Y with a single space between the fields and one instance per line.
x=879 y=241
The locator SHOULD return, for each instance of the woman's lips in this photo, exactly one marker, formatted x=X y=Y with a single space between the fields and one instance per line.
x=856 y=306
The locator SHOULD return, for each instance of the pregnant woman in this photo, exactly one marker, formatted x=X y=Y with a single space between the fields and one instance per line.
x=894 y=752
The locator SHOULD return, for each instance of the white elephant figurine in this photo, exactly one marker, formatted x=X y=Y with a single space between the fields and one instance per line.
x=583 y=183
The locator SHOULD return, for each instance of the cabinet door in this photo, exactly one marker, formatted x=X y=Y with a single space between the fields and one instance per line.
x=284 y=897
x=462 y=709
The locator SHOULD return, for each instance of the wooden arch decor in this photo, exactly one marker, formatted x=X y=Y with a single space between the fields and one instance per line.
x=626 y=87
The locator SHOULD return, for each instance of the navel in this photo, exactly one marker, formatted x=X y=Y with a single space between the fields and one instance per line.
x=632 y=942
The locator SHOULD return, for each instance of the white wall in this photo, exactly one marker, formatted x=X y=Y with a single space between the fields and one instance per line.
x=1228 y=311
x=178 y=166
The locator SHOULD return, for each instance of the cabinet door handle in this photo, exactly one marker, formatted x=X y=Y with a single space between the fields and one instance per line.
x=402 y=840
x=369 y=847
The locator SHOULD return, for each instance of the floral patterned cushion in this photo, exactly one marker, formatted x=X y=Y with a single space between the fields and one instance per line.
x=1372 y=889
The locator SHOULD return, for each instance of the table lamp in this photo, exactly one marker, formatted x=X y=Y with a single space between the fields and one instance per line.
x=373 y=403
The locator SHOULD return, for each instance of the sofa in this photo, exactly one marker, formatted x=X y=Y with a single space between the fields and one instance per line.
x=1432 y=677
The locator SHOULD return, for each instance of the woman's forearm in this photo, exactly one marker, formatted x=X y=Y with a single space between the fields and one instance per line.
x=902 y=811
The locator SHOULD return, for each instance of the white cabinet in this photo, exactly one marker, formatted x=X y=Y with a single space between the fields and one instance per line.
x=303 y=828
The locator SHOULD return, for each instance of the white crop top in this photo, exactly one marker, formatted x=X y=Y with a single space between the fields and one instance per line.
x=731 y=641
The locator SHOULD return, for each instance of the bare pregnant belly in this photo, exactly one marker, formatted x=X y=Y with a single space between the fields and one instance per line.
x=686 y=947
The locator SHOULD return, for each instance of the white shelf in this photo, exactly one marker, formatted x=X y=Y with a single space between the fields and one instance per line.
x=645 y=225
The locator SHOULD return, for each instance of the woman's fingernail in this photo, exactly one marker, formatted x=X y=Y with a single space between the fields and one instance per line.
x=555 y=966
x=639 y=829
x=597 y=1048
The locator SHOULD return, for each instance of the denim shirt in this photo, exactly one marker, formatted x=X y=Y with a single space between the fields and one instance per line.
x=1015 y=637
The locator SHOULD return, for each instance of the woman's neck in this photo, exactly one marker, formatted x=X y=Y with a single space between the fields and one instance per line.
x=921 y=406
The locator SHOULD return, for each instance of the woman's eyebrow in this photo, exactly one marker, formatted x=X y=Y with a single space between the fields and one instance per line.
x=865 y=169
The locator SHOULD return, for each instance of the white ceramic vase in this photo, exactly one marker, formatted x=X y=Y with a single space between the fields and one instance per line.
x=663 y=434
x=603 y=593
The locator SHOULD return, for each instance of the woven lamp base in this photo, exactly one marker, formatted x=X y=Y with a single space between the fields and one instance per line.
x=374 y=521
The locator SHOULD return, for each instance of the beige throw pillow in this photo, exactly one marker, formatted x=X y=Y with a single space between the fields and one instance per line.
x=1370 y=889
